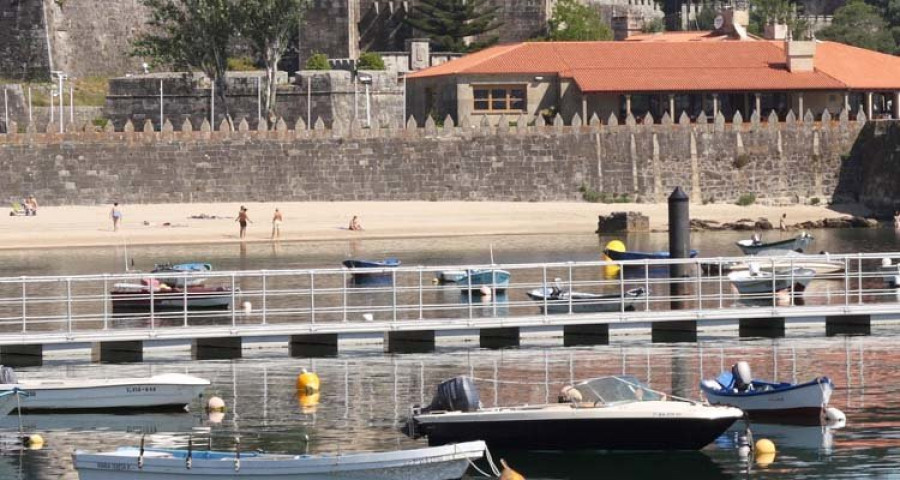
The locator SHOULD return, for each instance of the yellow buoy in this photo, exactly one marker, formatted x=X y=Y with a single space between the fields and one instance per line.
x=308 y=403
x=615 y=246
x=215 y=404
x=764 y=446
x=35 y=441
x=307 y=383
x=765 y=459
x=508 y=473
x=216 y=417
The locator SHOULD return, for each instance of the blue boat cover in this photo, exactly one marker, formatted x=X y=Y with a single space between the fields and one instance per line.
x=726 y=380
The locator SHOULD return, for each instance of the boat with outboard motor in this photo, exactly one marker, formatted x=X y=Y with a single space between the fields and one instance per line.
x=821 y=263
x=755 y=280
x=431 y=463
x=607 y=413
x=755 y=245
x=182 y=274
x=371 y=272
x=558 y=300
x=802 y=403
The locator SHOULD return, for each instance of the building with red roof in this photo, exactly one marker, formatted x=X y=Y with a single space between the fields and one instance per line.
x=674 y=73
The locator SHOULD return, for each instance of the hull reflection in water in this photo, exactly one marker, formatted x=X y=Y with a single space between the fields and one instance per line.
x=79 y=422
x=593 y=465
x=813 y=437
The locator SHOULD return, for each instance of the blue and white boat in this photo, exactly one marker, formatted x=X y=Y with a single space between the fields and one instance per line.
x=368 y=272
x=430 y=463
x=791 y=402
x=475 y=280
x=755 y=246
x=183 y=274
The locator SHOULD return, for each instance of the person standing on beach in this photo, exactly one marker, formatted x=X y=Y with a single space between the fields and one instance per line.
x=242 y=219
x=782 y=224
x=116 y=215
x=277 y=219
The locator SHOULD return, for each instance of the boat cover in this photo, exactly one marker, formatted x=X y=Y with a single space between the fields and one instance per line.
x=456 y=394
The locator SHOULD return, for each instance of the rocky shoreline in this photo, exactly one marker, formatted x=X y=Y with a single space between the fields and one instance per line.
x=763 y=223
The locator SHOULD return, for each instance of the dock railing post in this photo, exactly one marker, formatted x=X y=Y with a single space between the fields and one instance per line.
x=846 y=281
x=469 y=294
x=184 y=299
x=859 y=277
x=105 y=301
x=265 y=299
x=69 y=305
x=24 y=308
x=312 y=296
x=547 y=290
x=421 y=301
x=233 y=301
x=344 y=294
x=570 y=287
x=394 y=295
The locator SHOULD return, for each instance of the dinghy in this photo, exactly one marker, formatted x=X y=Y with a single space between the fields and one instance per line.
x=556 y=300
x=138 y=296
x=606 y=413
x=755 y=246
x=371 y=272
x=495 y=280
x=795 y=402
x=431 y=463
x=166 y=391
x=754 y=280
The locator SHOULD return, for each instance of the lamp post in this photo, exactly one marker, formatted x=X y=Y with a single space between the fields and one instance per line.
x=60 y=77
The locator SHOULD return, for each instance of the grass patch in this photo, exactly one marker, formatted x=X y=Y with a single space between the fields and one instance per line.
x=89 y=92
x=588 y=194
x=746 y=199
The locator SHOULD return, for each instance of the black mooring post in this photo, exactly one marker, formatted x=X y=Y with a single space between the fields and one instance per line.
x=679 y=242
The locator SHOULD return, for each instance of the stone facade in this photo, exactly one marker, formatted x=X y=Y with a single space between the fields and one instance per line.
x=23 y=44
x=718 y=162
x=873 y=168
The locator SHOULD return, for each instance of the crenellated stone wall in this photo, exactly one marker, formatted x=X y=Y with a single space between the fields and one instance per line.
x=778 y=162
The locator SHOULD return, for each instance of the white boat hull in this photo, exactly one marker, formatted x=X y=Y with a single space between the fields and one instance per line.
x=434 y=463
x=160 y=391
x=809 y=398
x=749 y=283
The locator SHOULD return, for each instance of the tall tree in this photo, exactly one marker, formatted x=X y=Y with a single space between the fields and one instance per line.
x=574 y=21
x=190 y=34
x=449 y=22
x=269 y=26
x=860 y=24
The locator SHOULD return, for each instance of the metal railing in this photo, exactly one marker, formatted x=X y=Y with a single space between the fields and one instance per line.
x=67 y=308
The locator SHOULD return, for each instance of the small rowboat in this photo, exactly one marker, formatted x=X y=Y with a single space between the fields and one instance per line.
x=796 y=402
x=756 y=281
x=431 y=463
x=139 y=296
x=822 y=264
x=476 y=279
x=368 y=272
x=559 y=300
x=172 y=391
x=631 y=255
x=182 y=273
x=754 y=246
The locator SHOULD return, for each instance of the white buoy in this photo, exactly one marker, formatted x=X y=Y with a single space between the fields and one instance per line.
x=744 y=451
x=248 y=307
x=835 y=418
x=368 y=317
x=885 y=262
x=215 y=404
x=485 y=290
x=216 y=417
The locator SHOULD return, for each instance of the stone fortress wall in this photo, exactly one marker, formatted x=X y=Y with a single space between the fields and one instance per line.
x=781 y=163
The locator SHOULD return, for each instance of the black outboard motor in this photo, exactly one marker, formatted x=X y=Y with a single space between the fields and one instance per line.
x=742 y=377
x=456 y=394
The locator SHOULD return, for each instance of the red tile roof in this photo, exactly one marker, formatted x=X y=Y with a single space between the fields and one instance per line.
x=681 y=65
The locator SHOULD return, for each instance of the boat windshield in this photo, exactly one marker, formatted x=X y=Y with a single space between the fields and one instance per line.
x=610 y=390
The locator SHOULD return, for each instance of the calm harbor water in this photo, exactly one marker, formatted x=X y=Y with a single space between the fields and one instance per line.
x=366 y=395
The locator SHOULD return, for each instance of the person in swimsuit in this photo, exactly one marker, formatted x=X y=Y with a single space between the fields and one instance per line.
x=277 y=219
x=242 y=220
x=354 y=224
x=116 y=215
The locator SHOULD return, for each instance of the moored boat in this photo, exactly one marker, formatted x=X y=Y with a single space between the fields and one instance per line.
x=607 y=413
x=182 y=274
x=168 y=391
x=371 y=271
x=633 y=255
x=491 y=279
x=431 y=463
x=793 y=402
x=755 y=246
x=754 y=280
x=558 y=300
x=823 y=264
x=161 y=296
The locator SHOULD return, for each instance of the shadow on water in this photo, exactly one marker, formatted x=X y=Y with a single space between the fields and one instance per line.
x=593 y=465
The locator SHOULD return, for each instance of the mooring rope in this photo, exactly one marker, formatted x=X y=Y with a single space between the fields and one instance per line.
x=490 y=462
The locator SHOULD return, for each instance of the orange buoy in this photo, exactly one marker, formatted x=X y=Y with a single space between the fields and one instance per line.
x=307 y=382
x=508 y=473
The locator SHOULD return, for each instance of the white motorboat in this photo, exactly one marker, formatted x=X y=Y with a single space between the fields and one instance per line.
x=890 y=272
x=756 y=246
x=431 y=463
x=607 y=413
x=754 y=280
x=767 y=261
x=166 y=391
x=795 y=402
x=558 y=300
x=9 y=400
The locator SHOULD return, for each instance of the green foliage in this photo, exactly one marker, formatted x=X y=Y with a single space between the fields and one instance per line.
x=741 y=161
x=574 y=21
x=815 y=201
x=860 y=24
x=241 y=64
x=448 y=22
x=777 y=11
x=655 y=25
x=99 y=122
x=746 y=199
x=588 y=194
x=318 y=61
x=706 y=18
x=370 y=61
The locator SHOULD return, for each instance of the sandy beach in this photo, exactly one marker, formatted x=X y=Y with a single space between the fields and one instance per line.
x=71 y=226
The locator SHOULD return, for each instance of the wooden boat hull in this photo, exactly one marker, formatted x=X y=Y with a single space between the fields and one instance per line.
x=579 y=302
x=169 y=391
x=799 y=403
x=668 y=426
x=748 y=283
x=433 y=463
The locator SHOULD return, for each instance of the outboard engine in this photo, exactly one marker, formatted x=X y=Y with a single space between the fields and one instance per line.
x=456 y=394
x=742 y=376
x=7 y=375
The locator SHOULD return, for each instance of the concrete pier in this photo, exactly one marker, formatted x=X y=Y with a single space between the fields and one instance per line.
x=507 y=337
x=848 y=325
x=216 y=348
x=575 y=335
x=761 y=327
x=313 y=345
x=117 y=352
x=416 y=341
x=22 y=355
